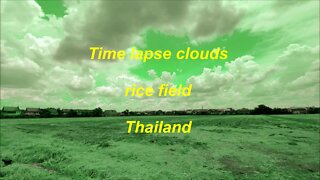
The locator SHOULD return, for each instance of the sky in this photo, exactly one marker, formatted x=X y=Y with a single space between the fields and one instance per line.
x=273 y=53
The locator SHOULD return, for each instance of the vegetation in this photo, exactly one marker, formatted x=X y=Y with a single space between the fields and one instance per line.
x=218 y=147
x=98 y=112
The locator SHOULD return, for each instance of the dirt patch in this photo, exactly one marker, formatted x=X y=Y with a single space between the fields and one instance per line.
x=237 y=167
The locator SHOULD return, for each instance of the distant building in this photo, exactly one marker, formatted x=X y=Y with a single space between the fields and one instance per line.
x=84 y=112
x=149 y=113
x=201 y=111
x=33 y=112
x=225 y=111
x=169 y=113
x=298 y=110
x=10 y=112
x=110 y=113
x=53 y=112
x=189 y=111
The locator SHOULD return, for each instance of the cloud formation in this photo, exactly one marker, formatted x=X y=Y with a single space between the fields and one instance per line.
x=43 y=61
x=295 y=72
x=118 y=25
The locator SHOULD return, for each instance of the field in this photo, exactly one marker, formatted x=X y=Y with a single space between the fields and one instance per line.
x=218 y=147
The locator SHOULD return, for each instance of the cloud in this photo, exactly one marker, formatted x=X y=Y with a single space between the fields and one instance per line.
x=81 y=83
x=30 y=76
x=299 y=67
x=298 y=21
x=152 y=73
x=108 y=91
x=296 y=60
x=19 y=73
x=117 y=85
x=25 y=48
x=27 y=12
x=214 y=18
x=241 y=72
x=289 y=81
x=167 y=77
x=117 y=25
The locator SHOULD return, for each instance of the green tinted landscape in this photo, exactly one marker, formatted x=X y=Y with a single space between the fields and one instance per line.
x=218 y=147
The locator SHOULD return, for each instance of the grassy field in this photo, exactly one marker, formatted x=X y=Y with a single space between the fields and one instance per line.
x=219 y=147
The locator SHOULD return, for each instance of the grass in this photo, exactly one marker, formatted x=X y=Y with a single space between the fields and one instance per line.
x=218 y=147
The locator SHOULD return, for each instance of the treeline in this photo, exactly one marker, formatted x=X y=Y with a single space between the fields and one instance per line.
x=263 y=109
x=260 y=109
x=97 y=112
x=16 y=112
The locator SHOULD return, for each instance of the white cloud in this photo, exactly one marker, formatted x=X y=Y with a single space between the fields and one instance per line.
x=108 y=91
x=81 y=83
x=152 y=73
x=27 y=11
x=291 y=80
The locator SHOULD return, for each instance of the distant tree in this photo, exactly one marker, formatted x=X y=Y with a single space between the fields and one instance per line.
x=262 y=109
x=87 y=114
x=72 y=113
x=45 y=113
x=313 y=110
x=97 y=112
x=60 y=113
x=280 y=111
x=159 y=112
x=131 y=113
x=126 y=112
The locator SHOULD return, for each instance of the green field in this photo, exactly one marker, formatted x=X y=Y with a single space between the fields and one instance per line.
x=218 y=147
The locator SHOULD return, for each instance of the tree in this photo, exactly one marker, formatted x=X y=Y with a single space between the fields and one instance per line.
x=60 y=113
x=126 y=112
x=97 y=112
x=45 y=113
x=262 y=109
x=72 y=113
x=280 y=111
